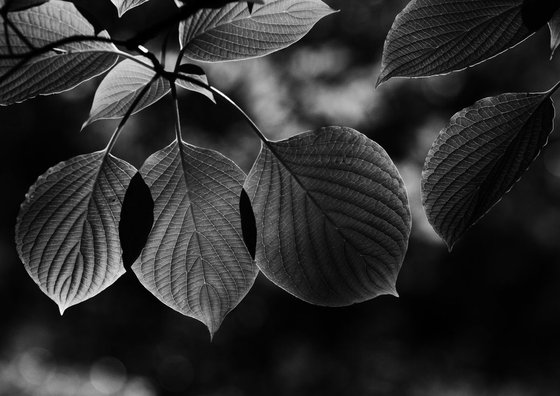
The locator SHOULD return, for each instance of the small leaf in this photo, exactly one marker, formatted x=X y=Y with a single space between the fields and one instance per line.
x=232 y=33
x=121 y=86
x=137 y=218
x=195 y=260
x=195 y=72
x=67 y=228
x=125 y=5
x=332 y=216
x=432 y=37
x=55 y=71
x=479 y=156
x=554 y=26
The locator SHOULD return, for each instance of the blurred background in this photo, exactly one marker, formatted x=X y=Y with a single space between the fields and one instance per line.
x=481 y=320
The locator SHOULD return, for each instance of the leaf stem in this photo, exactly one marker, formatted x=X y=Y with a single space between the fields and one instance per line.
x=127 y=115
x=552 y=90
x=178 y=133
x=242 y=112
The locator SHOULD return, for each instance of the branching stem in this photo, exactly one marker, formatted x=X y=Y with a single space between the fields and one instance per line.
x=127 y=115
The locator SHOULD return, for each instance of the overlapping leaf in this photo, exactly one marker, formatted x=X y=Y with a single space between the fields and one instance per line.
x=54 y=71
x=120 y=88
x=332 y=216
x=439 y=36
x=195 y=260
x=233 y=33
x=67 y=228
x=18 y=5
x=195 y=72
x=126 y=5
x=479 y=156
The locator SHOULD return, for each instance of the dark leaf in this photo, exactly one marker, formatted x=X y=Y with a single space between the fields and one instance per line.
x=440 y=36
x=479 y=156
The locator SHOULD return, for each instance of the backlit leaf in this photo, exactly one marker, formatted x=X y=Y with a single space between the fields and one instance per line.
x=55 y=71
x=332 y=216
x=195 y=260
x=479 y=156
x=232 y=33
x=125 y=5
x=121 y=86
x=440 y=36
x=18 y=5
x=67 y=228
x=195 y=72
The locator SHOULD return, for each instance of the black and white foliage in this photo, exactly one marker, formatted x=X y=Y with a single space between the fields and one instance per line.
x=323 y=214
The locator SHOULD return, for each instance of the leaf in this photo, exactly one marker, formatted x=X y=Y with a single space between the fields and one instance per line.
x=432 y=37
x=18 y=5
x=194 y=72
x=332 y=216
x=67 y=228
x=232 y=33
x=121 y=86
x=554 y=26
x=195 y=260
x=125 y=5
x=200 y=4
x=479 y=156
x=55 y=71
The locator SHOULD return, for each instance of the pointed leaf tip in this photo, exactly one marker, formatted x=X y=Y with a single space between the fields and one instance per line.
x=231 y=33
x=66 y=231
x=332 y=215
x=479 y=156
x=432 y=37
x=195 y=260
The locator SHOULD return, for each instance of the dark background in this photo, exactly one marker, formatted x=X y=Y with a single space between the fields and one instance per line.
x=482 y=320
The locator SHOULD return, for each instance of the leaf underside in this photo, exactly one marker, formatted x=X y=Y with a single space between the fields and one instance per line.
x=120 y=88
x=55 y=71
x=332 y=216
x=67 y=228
x=195 y=260
x=479 y=156
x=431 y=37
x=125 y=5
x=233 y=33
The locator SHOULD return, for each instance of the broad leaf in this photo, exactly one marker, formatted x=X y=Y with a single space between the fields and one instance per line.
x=67 y=228
x=18 y=5
x=195 y=72
x=439 y=36
x=479 y=156
x=195 y=260
x=232 y=33
x=554 y=26
x=121 y=86
x=125 y=5
x=332 y=216
x=54 y=71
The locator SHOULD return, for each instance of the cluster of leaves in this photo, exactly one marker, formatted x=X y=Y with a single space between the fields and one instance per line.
x=485 y=148
x=324 y=214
